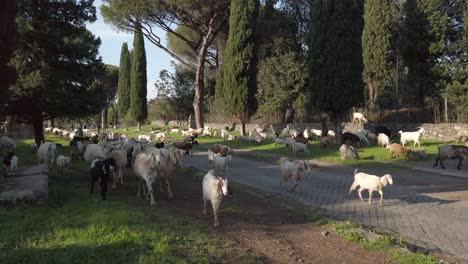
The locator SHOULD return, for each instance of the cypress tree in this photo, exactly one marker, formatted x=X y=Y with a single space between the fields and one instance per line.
x=376 y=47
x=138 y=107
x=335 y=56
x=240 y=61
x=124 y=81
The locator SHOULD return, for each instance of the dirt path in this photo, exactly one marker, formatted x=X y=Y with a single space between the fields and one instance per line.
x=275 y=231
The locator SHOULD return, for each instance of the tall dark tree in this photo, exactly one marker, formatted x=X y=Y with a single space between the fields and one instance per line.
x=7 y=40
x=56 y=62
x=240 y=61
x=109 y=80
x=377 y=48
x=203 y=17
x=123 y=96
x=335 y=56
x=138 y=106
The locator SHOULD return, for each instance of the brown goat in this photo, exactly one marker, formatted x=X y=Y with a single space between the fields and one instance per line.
x=187 y=146
x=397 y=149
x=222 y=150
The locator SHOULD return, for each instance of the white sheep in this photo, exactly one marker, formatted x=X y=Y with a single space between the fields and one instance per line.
x=145 y=167
x=93 y=152
x=407 y=137
x=359 y=116
x=298 y=147
x=383 y=140
x=46 y=153
x=63 y=163
x=371 y=183
x=144 y=138
x=214 y=189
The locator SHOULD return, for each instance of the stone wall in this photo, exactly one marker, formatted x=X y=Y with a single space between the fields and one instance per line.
x=441 y=132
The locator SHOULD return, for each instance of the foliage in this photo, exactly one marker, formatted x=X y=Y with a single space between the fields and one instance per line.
x=377 y=47
x=124 y=81
x=174 y=95
x=240 y=60
x=281 y=79
x=138 y=81
x=7 y=36
x=335 y=55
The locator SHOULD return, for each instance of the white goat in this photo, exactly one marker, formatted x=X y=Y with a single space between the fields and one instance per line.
x=294 y=133
x=175 y=130
x=119 y=157
x=407 y=137
x=289 y=142
x=206 y=132
x=7 y=144
x=14 y=163
x=292 y=170
x=214 y=189
x=316 y=132
x=224 y=134
x=298 y=147
x=93 y=152
x=359 y=116
x=144 y=137
x=145 y=167
x=46 y=153
x=63 y=163
x=160 y=136
x=255 y=137
x=383 y=140
x=371 y=183
x=170 y=159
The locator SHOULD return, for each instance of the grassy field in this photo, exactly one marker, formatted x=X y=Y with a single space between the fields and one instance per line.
x=76 y=227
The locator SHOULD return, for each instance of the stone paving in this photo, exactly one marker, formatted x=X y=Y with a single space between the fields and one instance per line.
x=427 y=209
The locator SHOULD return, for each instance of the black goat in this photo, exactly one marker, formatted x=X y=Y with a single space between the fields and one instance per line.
x=352 y=138
x=381 y=129
x=100 y=170
x=7 y=159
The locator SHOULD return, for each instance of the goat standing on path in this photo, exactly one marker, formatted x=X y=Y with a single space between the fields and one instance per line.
x=371 y=183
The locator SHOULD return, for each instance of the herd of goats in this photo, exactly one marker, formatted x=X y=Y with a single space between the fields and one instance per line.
x=150 y=160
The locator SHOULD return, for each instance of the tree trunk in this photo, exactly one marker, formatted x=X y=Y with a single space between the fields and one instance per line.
x=199 y=84
x=116 y=117
x=104 y=117
x=139 y=126
x=242 y=123
x=38 y=125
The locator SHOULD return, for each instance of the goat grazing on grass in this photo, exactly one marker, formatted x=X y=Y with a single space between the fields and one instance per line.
x=383 y=140
x=63 y=163
x=372 y=183
x=397 y=149
x=214 y=189
x=407 y=137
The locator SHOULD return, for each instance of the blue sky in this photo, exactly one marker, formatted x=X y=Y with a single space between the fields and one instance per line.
x=112 y=40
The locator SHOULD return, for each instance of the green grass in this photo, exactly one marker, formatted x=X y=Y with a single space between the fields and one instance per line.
x=383 y=243
x=77 y=227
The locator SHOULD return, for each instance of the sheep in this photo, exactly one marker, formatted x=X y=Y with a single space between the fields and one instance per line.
x=298 y=147
x=7 y=144
x=224 y=134
x=145 y=167
x=462 y=136
x=293 y=170
x=451 y=152
x=46 y=153
x=144 y=137
x=406 y=137
x=186 y=146
x=33 y=147
x=63 y=163
x=214 y=189
x=384 y=130
x=279 y=142
x=100 y=170
x=398 y=149
x=326 y=142
x=120 y=159
x=93 y=152
x=383 y=140
x=371 y=183
x=359 y=117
